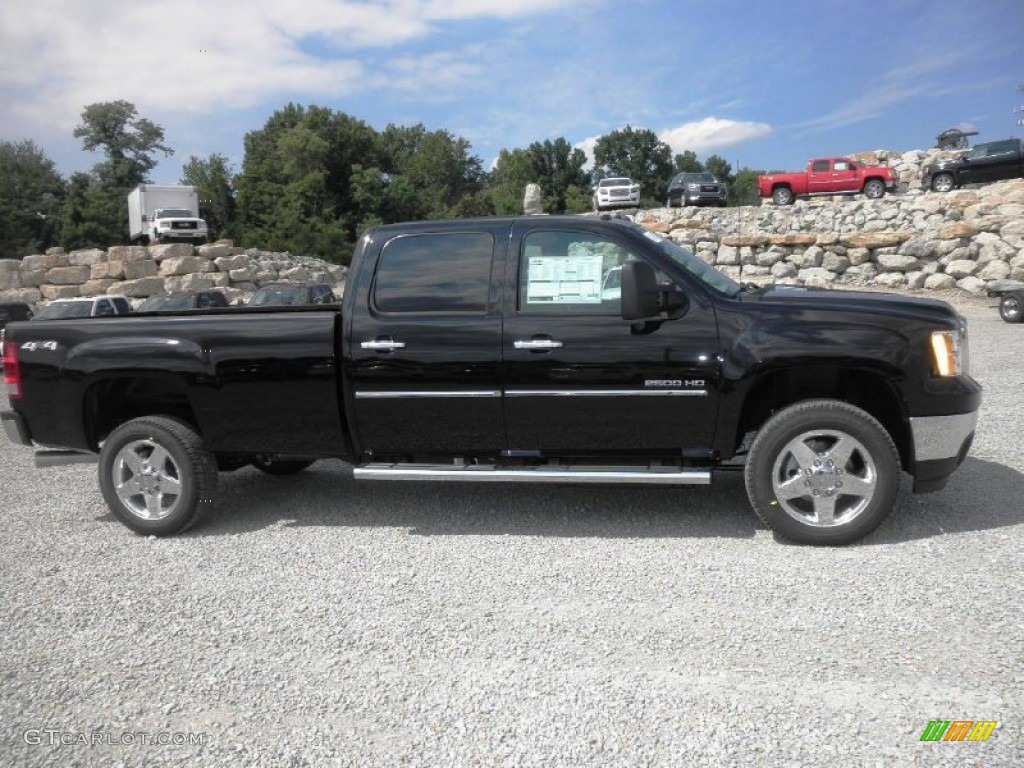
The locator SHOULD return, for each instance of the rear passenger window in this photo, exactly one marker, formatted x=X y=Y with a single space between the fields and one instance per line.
x=434 y=273
x=122 y=306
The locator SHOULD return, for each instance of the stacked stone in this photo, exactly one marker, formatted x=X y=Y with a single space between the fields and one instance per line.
x=966 y=239
x=138 y=272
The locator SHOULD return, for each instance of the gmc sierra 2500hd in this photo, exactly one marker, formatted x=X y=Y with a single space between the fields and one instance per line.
x=493 y=350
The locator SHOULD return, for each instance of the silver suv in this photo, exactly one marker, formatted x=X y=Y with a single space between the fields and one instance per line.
x=616 y=192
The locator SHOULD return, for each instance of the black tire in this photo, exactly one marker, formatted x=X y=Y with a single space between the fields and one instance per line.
x=281 y=467
x=185 y=465
x=874 y=189
x=783 y=196
x=794 y=475
x=1011 y=307
x=943 y=182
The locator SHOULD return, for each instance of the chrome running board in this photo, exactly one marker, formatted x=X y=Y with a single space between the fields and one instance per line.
x=476 y=473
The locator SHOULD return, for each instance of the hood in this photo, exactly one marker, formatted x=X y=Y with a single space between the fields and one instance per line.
x=862 y=302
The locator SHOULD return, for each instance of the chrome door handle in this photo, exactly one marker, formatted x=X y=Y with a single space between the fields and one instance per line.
x=537 y=344
x=384 y=345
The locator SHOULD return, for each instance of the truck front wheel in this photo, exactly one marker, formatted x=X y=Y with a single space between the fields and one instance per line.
x=943 y=182
x=822 y=472
x=782 y=196
x=156 y=476
x=874 y=189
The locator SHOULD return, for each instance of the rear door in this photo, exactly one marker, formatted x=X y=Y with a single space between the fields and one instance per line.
x=424 y=343
x=819 y=177
x=580 y=380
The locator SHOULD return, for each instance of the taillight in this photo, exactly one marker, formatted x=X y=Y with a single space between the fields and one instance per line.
x=12 y=373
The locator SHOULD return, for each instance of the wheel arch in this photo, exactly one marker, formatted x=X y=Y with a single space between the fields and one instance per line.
x=869 y=390
x=114 y=400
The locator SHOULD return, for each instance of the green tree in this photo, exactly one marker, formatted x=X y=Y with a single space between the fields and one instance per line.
x=743 y=189
x=129 y=144
x=513 y=170
x=31 y=196
x=437 y=164
x=559 y=170
x=214 y=183
x=295 y=188
x=639 y=154
x=687 y=162
x=89 y=218
x=720 y=168
x=128 y=141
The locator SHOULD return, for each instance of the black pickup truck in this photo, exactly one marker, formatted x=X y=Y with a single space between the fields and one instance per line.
x=495 y=350
x=992 y=161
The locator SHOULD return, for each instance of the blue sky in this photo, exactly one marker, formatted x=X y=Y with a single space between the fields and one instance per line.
x=764 y=84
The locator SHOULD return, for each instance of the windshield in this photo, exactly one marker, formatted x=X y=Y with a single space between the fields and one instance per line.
x=158 y=303
x=174 y=213
x=279 y=294
x=701 y=178
x=711 y=277
x=63 y=309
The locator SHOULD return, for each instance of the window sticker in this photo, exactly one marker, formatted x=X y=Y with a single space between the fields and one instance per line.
x=574 y=279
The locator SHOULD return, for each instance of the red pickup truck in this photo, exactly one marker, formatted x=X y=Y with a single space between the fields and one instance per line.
x=827 y=176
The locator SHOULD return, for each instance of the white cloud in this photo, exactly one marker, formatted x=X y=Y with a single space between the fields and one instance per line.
x=706 y=136
x=587 y=145
x=200 y=57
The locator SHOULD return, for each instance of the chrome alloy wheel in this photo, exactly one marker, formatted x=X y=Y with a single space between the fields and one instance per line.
x=147 y=480
x=1011 y=308
x=824 y=478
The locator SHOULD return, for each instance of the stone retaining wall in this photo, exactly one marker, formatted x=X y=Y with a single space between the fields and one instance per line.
x=137 y=272
x=967 y=238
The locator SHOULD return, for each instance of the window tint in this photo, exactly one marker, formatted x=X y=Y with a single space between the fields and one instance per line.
x=819 y=165
x=999 y=147
x=434 y=273
x=570 y=273
x=122 y=306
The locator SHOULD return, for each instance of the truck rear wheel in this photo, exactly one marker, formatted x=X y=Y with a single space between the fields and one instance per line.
x=156 y=476
x=822 y=472
x=1011 y=307
x=782 y=196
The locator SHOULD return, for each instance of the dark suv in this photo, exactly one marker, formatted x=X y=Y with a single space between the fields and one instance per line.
x=695 y=189
x=284 y=294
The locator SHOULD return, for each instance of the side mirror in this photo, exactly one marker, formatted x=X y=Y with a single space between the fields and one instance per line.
x=639 y=291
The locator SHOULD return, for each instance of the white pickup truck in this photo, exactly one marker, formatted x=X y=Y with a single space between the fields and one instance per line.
x=95 y=306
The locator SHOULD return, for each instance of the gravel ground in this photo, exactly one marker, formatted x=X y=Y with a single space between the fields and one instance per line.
x=315 y=620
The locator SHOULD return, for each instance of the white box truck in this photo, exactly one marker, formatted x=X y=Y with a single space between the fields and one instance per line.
x=165 y=213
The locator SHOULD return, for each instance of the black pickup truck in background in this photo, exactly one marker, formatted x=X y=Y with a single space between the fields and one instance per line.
x=991 y=161
x=494 y=350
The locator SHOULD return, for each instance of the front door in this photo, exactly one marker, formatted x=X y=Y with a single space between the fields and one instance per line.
x=578 y=378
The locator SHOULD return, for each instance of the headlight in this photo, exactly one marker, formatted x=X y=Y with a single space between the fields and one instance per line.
x=693 y=187
x=949 y=351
